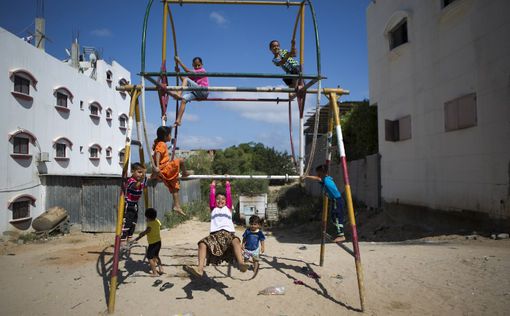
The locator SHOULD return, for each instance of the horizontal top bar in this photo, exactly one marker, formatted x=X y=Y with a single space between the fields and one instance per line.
x=229 y=75
x=338 y=91
x=228 y=177
x=282 y=3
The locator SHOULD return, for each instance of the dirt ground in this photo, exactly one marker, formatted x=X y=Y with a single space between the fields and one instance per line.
x=432 y=275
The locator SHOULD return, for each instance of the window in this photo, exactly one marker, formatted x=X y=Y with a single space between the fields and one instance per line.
x=109 y=76
x=109 y=152
x=398 y=35
x=121 y=156
x=20 y=209
x=61 y=150
x=108 y=114
x=61 y=100
x=94 y=152
x=398 y=130
x=460 y=113
x=20 y=145
x=21 y=85
x=94 y=110
x=81 y=105
x=123 y=121
x=447 y=2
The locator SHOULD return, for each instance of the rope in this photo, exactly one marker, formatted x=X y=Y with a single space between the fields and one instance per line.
x=144 y=123
x=291 y=141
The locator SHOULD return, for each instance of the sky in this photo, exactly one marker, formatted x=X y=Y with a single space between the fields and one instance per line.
x=228 y=38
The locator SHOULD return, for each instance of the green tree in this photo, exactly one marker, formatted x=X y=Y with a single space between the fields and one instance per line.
x=359 y=130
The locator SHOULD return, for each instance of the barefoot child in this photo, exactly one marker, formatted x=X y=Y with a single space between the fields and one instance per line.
x=154 y=240
x=336 y=202
x=168 y=170
x=133 y=190
x=197 y=81
x=253 y=240
x=222 y=244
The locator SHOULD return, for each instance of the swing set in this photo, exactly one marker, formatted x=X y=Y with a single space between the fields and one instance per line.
x=160 y=83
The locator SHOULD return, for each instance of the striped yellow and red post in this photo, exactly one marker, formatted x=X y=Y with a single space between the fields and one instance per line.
x=120 y=208
x=350 y=209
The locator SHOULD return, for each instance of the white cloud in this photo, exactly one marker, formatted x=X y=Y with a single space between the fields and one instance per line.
x=104 y=32
x=201 y=142
x=188 y=117
x=268 y=112
x=218 y=18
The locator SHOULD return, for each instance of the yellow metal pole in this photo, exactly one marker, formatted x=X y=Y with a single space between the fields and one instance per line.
x=325 y=200
x=120 y=208
x=350 y=208
x=165 y=17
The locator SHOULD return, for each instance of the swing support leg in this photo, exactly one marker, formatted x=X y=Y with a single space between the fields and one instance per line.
x=357 y=257
x=133 y=112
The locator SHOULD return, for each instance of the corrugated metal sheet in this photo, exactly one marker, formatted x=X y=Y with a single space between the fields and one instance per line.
x=92 y=201
x=64 y=192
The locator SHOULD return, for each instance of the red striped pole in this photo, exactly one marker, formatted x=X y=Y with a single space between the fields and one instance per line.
x=350 y=208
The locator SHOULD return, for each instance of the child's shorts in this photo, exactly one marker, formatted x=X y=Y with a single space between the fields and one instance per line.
x=153 y=250
x=193 y=95
x=255 y=254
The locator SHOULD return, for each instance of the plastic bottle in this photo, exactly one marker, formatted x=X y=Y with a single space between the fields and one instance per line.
x=273 y=290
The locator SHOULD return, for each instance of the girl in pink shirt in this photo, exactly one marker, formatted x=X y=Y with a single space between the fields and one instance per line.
x=197 y=81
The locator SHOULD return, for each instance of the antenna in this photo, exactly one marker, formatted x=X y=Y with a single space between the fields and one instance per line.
x=40 y=9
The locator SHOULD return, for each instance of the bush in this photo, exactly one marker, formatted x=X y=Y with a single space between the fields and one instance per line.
x=198 y=210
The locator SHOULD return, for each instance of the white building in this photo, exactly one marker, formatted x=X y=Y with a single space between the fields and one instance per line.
x=57 y=120
x=440 y=76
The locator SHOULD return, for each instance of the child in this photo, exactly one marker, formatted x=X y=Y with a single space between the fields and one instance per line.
x=187 y=96
x=154 y=240
x=251 y=239
x=283 y=58
x=337 y=212
x=222 y=244
x=168 y=170
x=133 y=190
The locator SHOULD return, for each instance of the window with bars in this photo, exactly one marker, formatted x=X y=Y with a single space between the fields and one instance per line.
x=20 y=209
x=20 y=145
x=94 y=110
x=108 y=153
x=61 y=150
x=94 y=152
x=398 y=35
x=122 y=122
x=21 y=85
x=121 y=157
x=61 y=100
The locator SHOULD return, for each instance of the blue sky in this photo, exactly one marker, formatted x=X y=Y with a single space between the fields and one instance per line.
x=229 y=38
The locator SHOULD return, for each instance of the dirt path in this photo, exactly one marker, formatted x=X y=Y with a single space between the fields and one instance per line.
x=439 y=276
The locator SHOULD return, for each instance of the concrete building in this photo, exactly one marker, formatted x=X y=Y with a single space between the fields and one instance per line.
x=60 y=119
x=440 y=76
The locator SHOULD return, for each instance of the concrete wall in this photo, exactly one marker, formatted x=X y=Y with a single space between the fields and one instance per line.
x=364 y=175
x=452 y=51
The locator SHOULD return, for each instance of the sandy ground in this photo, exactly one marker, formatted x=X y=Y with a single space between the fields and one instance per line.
x=441 y=275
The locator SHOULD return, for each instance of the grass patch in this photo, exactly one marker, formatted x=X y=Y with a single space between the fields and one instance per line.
x=197 y=209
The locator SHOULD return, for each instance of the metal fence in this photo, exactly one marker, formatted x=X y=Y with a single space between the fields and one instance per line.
x=92 y=201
